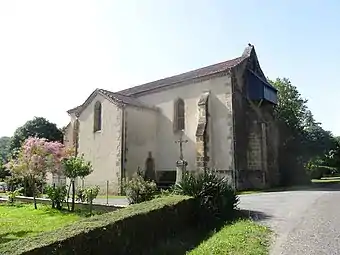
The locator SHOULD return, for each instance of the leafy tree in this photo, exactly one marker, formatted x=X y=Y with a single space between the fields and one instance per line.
x=302 y=139
x=3 y=171
x=332 y=157
x=38 y=127
x=74 y=167
x=35 y=158
x=4 y=148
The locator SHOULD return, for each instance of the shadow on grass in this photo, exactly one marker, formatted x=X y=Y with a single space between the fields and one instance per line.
x=83 y=213
x=180 y=244
x=10 y=236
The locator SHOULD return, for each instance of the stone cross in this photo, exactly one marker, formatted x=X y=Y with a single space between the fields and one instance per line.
x=180 y=142
x=181 y=163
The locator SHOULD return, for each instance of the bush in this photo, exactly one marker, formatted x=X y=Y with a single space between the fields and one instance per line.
x=214 y=194
x=13 y=183
x=87 y=194
x=140 y=190
x=80 y=195
x=13 y=194
x=57 y=194
x=317 y=172
x=126 y=231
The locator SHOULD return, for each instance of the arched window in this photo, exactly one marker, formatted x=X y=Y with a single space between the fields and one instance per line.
x=97 y=117
x=179 y=120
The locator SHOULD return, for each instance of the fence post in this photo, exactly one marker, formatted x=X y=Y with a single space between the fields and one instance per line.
x=107 y=192
x=91 y=199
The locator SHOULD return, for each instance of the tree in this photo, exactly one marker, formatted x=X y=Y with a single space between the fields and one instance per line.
x=332 y=157
x=4 y=148
x=302 y=139
x=74 y=167
x=38 y=127
x=3 y=171
x=35 y=158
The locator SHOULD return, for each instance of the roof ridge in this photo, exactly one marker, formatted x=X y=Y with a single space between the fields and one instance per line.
x=129 y=94
x=192 y=74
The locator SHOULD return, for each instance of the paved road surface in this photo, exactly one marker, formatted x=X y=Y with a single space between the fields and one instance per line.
x=305 y=222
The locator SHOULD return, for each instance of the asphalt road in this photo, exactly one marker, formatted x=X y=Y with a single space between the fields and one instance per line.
x=304 y=222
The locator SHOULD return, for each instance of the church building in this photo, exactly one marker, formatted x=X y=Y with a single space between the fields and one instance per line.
x=223 y=112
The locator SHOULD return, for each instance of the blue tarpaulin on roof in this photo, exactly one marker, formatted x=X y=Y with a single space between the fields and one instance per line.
x=259 y=89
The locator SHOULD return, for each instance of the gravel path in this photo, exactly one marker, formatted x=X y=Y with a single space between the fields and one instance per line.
x=305 y=222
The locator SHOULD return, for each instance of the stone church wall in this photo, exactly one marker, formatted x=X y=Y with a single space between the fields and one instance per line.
x=256 y=137
x=102 y=148
x=220 y=126
x=141 y=137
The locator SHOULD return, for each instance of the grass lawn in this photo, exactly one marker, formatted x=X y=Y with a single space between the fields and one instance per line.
x=21 y=220
x=327 y=180
x=278 y=189
x=240 y=238
x=243 y=237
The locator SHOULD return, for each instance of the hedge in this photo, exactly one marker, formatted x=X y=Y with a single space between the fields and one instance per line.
x=320 y=171
x=126 y=231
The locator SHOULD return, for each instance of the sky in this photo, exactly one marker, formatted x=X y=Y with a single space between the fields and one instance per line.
x=53 y=54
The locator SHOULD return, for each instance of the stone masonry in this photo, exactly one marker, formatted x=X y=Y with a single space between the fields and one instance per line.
x=202 y=136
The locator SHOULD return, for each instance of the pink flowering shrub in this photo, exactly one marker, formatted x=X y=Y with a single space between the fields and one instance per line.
x=36 y=158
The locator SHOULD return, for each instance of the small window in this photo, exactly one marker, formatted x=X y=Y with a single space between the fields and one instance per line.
x=97 y=118
x=179 y=120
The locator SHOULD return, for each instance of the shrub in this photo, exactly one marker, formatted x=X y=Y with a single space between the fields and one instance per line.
x=125 y=231
x=214 y=194
x=13 y=194
x=80 y=195
x=140 y=190
x=57 y=194
x=91 y=193
x=317 y=172
x=13 y=183
x=87 y=194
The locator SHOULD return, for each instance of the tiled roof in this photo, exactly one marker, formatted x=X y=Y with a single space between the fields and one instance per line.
x=122 y=98
x=127 y=96
x=113 y=97
x=75 y=109
x=198 y=73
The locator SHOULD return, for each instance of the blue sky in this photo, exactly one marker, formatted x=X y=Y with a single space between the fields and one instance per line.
x=54 y=54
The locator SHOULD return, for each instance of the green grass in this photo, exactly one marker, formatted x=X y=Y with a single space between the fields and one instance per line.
x=329 y=180
x=97 y=223
x=278 y=189
x=243 y=237
x=22 y=220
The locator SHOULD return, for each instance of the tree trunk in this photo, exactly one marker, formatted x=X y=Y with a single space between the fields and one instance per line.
x=73 y=195
x=68 y=196
x=91 y=201
x=34 y=200
x=53 y=204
